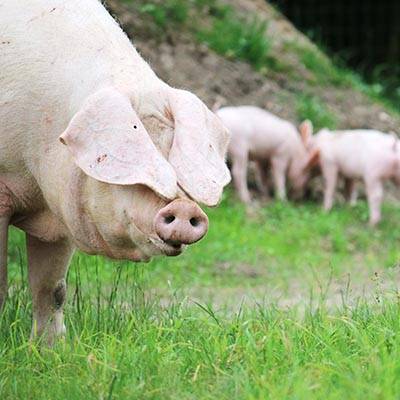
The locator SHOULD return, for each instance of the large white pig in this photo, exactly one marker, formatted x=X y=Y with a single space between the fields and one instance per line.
x=367 y=155
x=257 y=135
x=96 y=152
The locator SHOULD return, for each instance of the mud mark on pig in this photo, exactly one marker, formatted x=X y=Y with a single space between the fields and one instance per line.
x=101 y=158
x=43 y=14
x=59 y=294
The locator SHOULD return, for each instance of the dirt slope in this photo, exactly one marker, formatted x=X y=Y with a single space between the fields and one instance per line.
x=183 y=61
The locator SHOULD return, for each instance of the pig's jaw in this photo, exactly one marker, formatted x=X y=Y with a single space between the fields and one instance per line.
x=93 y=238
x=84 y=232
x=89 y=239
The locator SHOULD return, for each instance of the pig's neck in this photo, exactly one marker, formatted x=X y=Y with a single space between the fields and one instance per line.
x=298 y=151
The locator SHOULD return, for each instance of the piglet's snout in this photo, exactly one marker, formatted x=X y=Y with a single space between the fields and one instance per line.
x=181 y=222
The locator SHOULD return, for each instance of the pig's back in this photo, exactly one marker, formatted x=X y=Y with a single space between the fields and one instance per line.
x=259 y=130
x=358 y=152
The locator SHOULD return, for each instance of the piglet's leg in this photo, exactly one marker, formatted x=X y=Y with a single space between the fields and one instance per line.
x=330 y=173
x=279 y=167
x=239 y=173
x=374 y=195
x=261 y=177
x=351 y=191
x=4 y=221
x=48 y=264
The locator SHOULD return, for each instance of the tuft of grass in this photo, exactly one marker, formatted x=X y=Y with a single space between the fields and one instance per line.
x=312 y=108
x=324 y=71
x=166 y=12
x=238 y=38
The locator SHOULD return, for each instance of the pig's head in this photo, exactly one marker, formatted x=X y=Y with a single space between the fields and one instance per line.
x=145 y=167
x=303 y=160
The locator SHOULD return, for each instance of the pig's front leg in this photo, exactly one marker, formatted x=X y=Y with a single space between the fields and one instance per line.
x=279 y=167
x=239 y=174
x=48 y=264
x=330 y=173
x=351 y=191
x=374 y=195
x=4 y=221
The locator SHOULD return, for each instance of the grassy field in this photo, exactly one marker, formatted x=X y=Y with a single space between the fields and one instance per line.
x=279 y=302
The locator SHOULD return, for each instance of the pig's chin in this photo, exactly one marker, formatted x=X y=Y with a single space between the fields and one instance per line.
x=144 y=253
x=151 y=245
x=166 y=249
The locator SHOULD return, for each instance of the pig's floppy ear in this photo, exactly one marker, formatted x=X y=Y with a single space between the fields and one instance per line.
x=198 y=149
x=313 y=159
x=109 y=143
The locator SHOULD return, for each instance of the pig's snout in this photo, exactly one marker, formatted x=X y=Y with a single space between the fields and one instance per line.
x=181 y=222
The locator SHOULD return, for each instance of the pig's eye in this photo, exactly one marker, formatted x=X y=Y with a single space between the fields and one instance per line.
x=134 y=126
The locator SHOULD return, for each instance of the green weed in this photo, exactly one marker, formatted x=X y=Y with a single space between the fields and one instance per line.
x=237 y=38
x=312 y=108
x=166 y=12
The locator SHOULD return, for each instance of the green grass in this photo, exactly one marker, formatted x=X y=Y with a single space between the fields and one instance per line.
x=175 y=11
x=281 y=302
x=324 y=71
x=314 y=109
x=238 y=38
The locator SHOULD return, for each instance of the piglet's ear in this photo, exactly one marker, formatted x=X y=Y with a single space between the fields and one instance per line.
x=109 y=143
x=306 y=131
x=198 y=149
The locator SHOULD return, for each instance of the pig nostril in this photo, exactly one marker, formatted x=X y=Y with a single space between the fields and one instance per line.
x=194 y=221
x=169 y=219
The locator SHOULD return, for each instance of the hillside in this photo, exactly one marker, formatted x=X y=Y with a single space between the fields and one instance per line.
x=245 y=52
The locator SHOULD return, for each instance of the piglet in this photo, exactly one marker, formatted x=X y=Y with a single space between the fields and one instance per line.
x=369 y=155
x=259 y=136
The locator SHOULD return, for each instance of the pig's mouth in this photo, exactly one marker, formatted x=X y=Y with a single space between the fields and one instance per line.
x=154 y=245
x=168 y=248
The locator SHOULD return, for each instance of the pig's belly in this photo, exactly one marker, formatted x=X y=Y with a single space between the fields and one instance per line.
x=261 y=153
x=351 y=169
